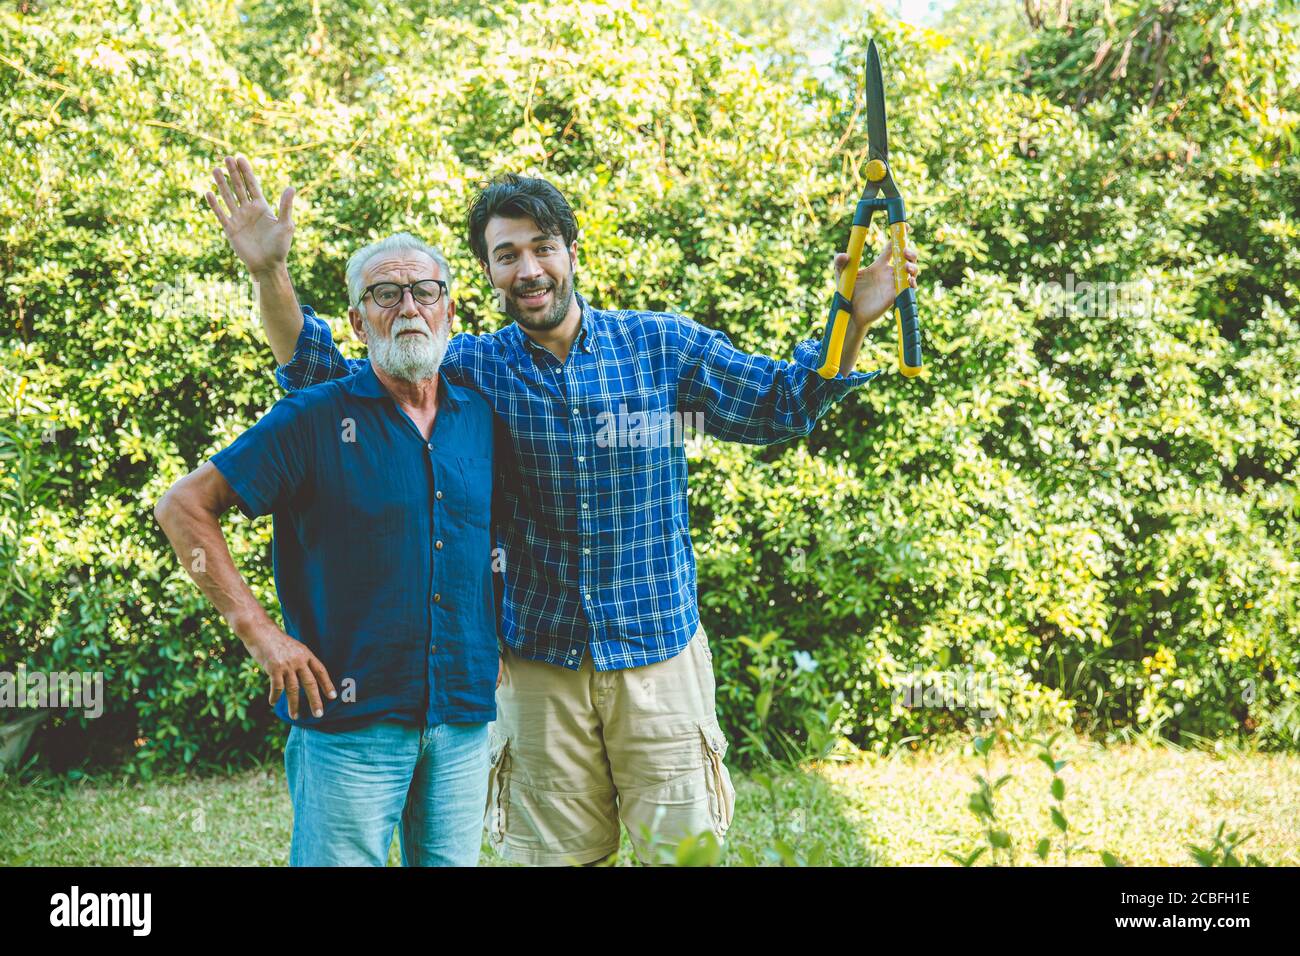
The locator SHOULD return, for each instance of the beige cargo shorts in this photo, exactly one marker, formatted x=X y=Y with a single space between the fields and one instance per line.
x=575 y=752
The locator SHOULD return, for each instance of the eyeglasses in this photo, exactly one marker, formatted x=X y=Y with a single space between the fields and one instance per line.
x=388 y=294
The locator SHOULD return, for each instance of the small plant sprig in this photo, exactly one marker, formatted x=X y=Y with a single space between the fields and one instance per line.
x=1224 y=850
x=698 y=849
x=702 y=849
x=981 y=804
x=781 y=852
x=1059 y=820
x=769 y=666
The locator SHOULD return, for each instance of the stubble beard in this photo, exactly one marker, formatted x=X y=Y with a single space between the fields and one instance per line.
x=562 y=297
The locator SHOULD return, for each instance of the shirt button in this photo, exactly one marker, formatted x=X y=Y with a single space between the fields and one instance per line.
x=584 y=506
x=438 y=495
x=438 y=545
x=586 y=597
x=433 y=650
x=575 y=411
x=430 y=446
x=586 y=550
x=437 y=599
x=581 y=459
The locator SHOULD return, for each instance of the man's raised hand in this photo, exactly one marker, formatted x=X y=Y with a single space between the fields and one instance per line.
x=873 y=290
x=260 y=239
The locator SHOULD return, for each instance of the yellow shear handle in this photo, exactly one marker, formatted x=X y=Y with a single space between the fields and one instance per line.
x=839 y=326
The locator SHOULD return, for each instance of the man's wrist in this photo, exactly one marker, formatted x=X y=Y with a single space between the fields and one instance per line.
x=276 y=272
x=860 y=325
x=249 y=625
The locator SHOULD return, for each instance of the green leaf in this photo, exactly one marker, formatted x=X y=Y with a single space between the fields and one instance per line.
x=1058 y=788
x=786 y=853
x=1058 y=819
x=1043 y=848
x=966 y=860
x=685 y=848
x=699 y=850
x=1202 y=856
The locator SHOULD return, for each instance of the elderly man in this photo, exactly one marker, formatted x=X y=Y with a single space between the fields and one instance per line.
x=380 y=488
x=607 y=709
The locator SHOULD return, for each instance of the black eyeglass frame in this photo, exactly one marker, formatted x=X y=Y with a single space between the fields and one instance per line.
x=401 y=294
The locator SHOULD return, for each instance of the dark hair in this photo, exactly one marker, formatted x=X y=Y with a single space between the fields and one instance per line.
x=518 y=197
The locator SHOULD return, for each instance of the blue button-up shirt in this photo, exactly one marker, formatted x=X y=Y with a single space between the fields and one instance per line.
x=591 y=473
x=382 y=547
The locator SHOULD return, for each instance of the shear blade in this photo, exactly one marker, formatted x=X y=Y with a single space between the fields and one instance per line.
x=876 y=136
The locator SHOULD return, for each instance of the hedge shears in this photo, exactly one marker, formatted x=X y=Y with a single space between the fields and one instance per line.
x=879 y=180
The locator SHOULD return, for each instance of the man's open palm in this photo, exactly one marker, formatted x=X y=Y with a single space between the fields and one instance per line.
x=260 y=238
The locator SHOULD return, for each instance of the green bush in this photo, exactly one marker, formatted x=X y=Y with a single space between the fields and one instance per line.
x=1099 y=511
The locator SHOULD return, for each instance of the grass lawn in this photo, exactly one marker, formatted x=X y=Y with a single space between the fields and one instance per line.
x=1143 y=803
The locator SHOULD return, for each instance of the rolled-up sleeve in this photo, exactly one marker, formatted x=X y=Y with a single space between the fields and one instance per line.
x=754 y=398
x=316 y=358
x=268 y=464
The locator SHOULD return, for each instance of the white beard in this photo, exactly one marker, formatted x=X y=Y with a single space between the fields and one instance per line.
x=415 y=358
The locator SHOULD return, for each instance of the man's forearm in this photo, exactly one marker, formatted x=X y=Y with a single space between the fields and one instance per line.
x=281 y=316
x=195 y=534
x=853 y=338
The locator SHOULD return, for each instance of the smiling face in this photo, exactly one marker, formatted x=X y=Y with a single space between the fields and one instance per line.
x=532 y=272
x=407 y=340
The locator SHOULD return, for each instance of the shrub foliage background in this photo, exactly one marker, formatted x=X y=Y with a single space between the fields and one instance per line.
x=1097 y=509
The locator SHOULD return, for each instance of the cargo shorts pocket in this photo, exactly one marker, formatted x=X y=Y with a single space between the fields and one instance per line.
x=498 y=790
x=722 y=796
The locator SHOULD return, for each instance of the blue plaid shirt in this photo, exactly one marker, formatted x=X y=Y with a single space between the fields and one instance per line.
x=591 y=511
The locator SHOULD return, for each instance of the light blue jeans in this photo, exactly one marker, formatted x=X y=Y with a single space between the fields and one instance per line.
x=350 y=790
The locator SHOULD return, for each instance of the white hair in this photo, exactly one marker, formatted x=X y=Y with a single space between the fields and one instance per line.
x=398 y=242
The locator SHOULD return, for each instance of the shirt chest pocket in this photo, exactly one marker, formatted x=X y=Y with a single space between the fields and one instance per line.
x=468 y=488
x=638 y=428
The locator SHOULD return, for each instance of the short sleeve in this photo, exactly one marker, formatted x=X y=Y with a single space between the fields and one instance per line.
x=268 y=464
